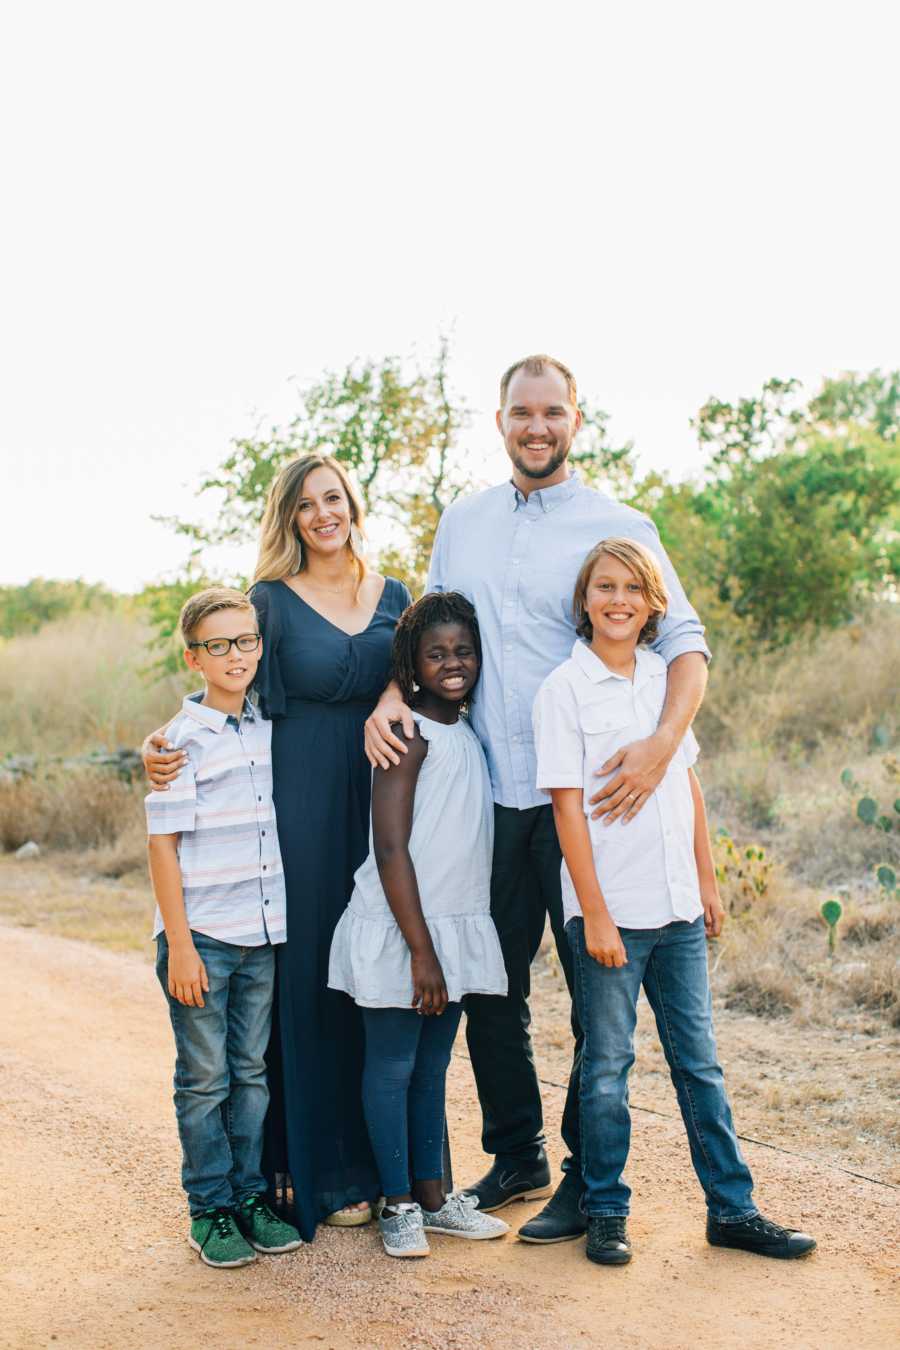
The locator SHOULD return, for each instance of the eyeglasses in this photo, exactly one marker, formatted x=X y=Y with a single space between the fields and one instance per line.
x=247 y=642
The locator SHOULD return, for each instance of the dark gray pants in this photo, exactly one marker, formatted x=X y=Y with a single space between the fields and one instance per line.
x=525 y=889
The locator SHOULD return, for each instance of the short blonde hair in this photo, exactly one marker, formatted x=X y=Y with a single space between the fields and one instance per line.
x=645 y=567
x=279 y=542
x=210 y=601
x=536 y=365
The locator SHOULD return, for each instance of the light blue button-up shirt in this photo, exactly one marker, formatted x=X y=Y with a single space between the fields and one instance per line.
x=517 y=560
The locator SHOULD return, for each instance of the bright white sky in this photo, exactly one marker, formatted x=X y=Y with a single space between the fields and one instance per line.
x=206 y=201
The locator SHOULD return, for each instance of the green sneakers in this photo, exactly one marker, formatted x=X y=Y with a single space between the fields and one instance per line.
x=263 y=1229
x=218 y=1240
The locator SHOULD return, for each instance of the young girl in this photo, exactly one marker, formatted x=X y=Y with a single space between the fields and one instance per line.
x=639 y=898
x=417 y=934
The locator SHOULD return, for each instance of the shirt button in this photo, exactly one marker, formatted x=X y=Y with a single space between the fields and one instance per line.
x=259 y=799
x=264 y=866
x=265 y=902
x=253 y=761
x=263 y=834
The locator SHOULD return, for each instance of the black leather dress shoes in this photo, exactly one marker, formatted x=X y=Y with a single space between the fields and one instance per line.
x=561 y=1219
x=508 y=1181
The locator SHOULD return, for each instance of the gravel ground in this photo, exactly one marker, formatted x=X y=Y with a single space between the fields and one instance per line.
x=94 y=1223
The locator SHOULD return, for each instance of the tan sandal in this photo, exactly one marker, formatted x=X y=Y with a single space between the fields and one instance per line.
x=349 y=1217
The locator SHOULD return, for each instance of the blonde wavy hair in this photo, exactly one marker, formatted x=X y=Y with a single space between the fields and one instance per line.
x=280 y=551
x=646 y=569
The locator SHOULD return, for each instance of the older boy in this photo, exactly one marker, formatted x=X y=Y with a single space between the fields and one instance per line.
x=217 y=878
x=639 y=901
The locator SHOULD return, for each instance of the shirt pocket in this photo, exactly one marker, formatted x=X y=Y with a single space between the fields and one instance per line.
x=606 y=726
x=547 y=591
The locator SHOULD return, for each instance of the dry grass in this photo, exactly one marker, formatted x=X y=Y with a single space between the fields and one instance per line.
x=777 y=734
x=79 y=810
x=841 y=685
x=64 y=895
x=80 y=684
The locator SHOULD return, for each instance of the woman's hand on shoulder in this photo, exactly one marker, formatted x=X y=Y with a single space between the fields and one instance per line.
x=162 y=762
x=384 y=746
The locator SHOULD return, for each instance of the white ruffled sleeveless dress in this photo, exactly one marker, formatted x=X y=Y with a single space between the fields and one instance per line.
x=450 y=844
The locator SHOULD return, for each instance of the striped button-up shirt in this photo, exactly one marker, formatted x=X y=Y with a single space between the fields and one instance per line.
x=517 y=559
x=220 y=806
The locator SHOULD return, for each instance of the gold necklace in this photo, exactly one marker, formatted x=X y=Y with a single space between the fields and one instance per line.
x=329 y=590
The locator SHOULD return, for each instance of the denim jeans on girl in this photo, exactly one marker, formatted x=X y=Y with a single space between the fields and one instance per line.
x=407 y=1056
x=221 y=1094
x=670 y=963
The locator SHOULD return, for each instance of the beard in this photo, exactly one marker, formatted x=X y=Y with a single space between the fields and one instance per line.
x=558 y=456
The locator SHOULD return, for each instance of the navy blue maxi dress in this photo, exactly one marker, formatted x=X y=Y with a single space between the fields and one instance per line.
x=318 y=685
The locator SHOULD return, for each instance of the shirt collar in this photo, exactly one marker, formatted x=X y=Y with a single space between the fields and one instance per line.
x=547 y=498
x=589 y=662
x=211 y=717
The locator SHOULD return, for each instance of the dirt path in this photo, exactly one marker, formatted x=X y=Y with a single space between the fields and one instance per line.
x=93 y=1221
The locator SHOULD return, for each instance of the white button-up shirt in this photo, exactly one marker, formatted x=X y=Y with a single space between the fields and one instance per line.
x=517 y=559
x=221 y=807
x=583 y=714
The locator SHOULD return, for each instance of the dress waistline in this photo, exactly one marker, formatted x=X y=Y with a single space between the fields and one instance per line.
x=301 y=707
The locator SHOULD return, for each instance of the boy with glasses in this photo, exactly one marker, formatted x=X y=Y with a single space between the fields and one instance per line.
x=217 y=878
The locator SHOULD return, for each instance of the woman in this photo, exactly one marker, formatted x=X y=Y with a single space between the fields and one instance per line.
x=328 y=624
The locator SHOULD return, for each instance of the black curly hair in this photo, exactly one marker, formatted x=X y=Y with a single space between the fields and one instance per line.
x=434 y=608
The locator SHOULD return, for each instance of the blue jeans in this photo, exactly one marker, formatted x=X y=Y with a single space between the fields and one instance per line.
x=670 y=963
x=221 y=1094
x=407 y=1056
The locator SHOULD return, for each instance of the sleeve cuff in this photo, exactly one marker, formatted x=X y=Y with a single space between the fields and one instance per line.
x=559 y=780
x=677 y=646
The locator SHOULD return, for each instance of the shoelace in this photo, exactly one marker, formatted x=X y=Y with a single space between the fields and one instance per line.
x=222 y=1224
x=255 y=1206
x=458 y=1203
x=612 y=1226
x=767 y=1228
x=405 y=1213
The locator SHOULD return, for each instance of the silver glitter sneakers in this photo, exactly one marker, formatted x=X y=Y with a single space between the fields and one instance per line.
x=402 y=1231
x=459 y=1216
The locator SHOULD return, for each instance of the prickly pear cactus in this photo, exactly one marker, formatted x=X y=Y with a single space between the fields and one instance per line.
x=867 y=810
x=887 y=878
x=742 y=873
x=831 y=912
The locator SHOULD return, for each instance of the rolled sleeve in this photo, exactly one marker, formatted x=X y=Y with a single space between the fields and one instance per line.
x=437 y=565
x=175 y=811
x=558 y=742
x=681 y=630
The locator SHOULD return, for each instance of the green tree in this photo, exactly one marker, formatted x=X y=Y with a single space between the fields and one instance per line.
x=25 y=609
x=799 y=508
x=397 y=433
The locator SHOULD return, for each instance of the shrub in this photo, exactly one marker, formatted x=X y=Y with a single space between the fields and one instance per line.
x=83 y=810
x=743 y=873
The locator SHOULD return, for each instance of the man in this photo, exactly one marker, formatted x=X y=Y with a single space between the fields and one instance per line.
x=515 y=551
